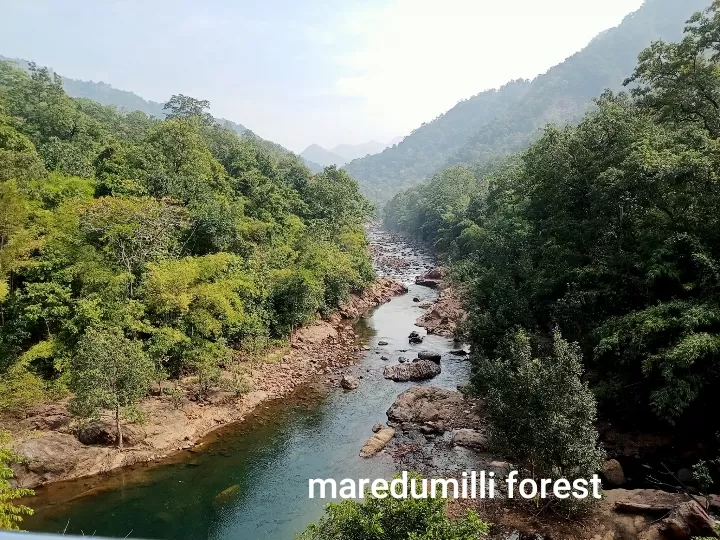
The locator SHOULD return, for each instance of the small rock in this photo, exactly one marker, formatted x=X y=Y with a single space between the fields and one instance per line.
x=613 y=472
x=459 y=352
x=382 y=343
x=429 y=355
x=416 y=299
x=384 y=358
x=376 y=428
x=377 y=442
x=349 y=382
x=402 y=359
x=227 y=495
x=469 y=438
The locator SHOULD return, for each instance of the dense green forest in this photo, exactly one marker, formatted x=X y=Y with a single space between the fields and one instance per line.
x=608 y=232
x=154 y=247
x=498 y=122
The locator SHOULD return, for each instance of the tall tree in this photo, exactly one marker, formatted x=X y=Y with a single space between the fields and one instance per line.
x=110 y=372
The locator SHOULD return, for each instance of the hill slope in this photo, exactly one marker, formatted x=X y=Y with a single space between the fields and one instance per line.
x=505 y=120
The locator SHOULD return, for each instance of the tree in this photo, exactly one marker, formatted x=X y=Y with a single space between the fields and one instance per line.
x=186 y=107
x=681 y=80
x=109 y=372
x=133 y=231
x=540 y=412
x=10 y=514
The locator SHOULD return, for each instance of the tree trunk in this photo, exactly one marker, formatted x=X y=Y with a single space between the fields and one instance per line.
x=117 y=425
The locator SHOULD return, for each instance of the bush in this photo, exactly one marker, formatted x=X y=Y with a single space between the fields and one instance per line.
x=541 y=413
x=10 y=514
x=394 y=519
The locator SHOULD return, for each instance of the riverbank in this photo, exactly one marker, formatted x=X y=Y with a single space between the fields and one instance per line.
x=47 y=436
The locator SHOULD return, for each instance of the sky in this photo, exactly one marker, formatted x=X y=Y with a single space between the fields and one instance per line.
x=299 y=72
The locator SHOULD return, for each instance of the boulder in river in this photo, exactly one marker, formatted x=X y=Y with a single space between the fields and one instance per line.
x=384 y=358
x=416 y=371
x=415 y=337
x=382 y=343
x=377 y=442
x=348 y=382
x=431 y=278
x=429 y=355
x=459 y=352
x=431 y=405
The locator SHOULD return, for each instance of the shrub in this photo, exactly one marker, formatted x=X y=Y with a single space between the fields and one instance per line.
x=541 y=413
x=394 y=519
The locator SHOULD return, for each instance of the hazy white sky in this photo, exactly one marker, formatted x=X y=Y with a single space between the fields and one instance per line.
x=308 y=71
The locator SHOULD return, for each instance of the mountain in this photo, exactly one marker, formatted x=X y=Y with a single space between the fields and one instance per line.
x=319 y=155
x=314 y=167
x=355 y=151
x=508 y=119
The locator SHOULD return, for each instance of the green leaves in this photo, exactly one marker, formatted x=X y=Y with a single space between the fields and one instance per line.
x=109 y=372
x=541 y=412
x=10 y=514
x=394 y=519
x=177 y=240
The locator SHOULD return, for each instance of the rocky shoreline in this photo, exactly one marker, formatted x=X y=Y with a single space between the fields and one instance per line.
x=49 y=438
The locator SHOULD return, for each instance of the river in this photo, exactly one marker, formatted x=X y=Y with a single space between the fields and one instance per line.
x=250 y=481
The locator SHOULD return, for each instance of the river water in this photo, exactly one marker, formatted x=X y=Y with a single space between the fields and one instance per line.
x=250 y=481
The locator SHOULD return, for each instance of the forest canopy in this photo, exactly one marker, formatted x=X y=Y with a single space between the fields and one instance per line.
x=175 y=240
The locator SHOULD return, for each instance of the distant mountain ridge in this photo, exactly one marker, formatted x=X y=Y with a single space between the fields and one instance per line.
x=344 y=153
x=318 y=154
x=497 y=122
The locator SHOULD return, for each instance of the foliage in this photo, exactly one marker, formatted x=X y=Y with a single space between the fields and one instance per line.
x=174 y=238
x=109 y=372
x=607 y=230
x=394 y=519
x=10 y=514
x=541 y=413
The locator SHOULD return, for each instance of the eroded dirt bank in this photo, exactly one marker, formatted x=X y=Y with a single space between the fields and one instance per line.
x=47 y=436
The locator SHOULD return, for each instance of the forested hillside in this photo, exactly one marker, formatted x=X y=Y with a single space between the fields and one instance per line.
x=495 y=123
x=154 y=246
x=608 y=232
x=106 y=94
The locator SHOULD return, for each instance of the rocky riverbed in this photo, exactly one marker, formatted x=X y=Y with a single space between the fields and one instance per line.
x=56 y=447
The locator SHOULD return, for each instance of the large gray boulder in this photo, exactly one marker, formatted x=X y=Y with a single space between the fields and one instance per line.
x=348 y=382
x=415 y=371
x=469 y=438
